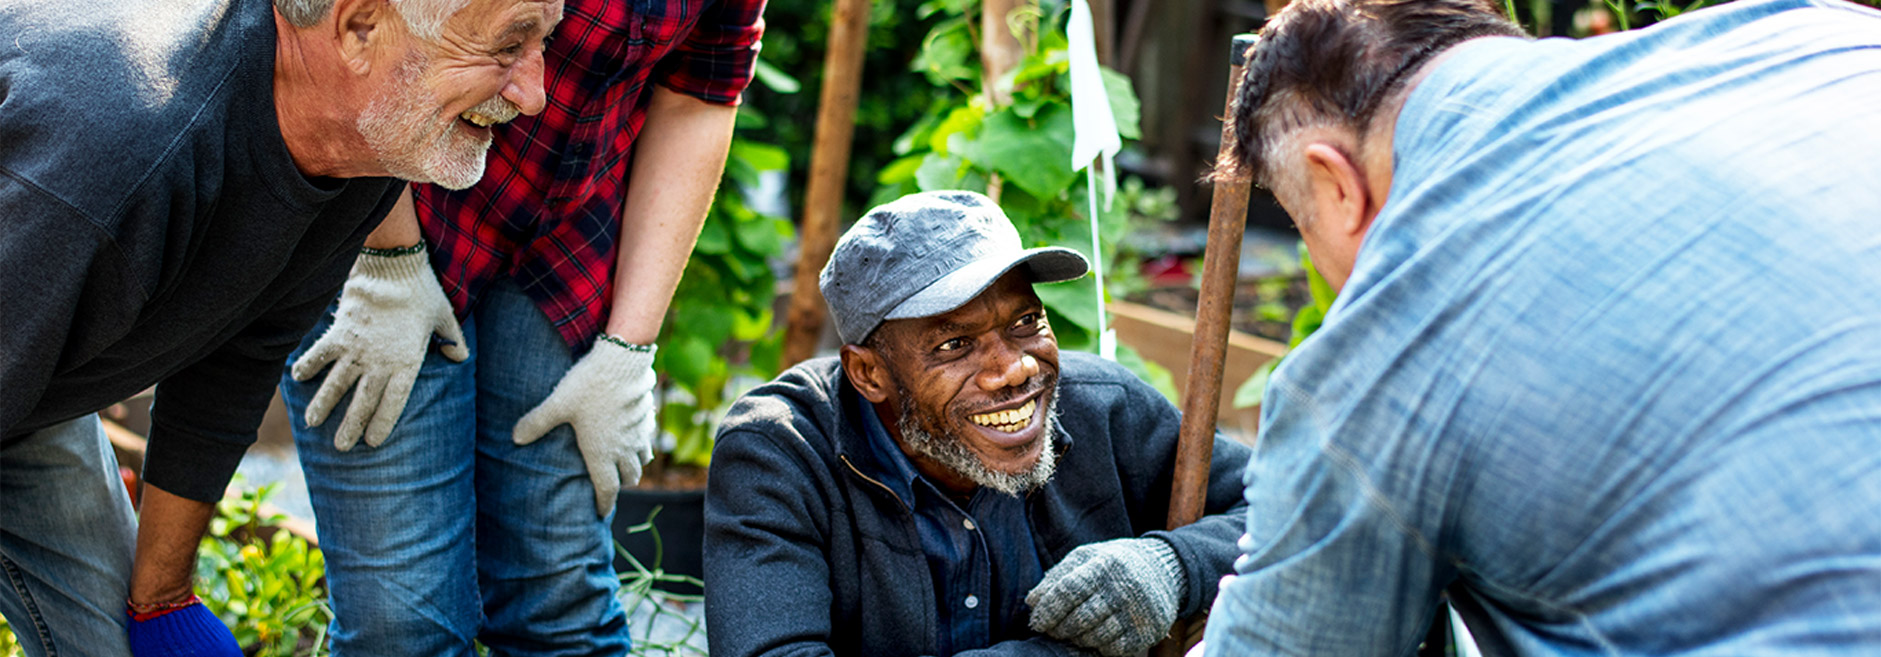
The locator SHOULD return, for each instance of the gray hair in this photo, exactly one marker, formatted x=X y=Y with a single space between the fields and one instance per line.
x=1333 y=63
x=425 y=18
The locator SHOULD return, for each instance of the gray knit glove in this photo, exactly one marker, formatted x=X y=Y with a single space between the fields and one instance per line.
x=608 y=398
x=1118 y=597
x=388 y=310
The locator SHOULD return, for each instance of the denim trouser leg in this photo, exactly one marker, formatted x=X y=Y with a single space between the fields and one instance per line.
x=394 y=521
x=448 y=531
x=66 y=537
x=544 y=560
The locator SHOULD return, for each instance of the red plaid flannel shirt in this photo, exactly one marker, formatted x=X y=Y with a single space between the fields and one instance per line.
x=548 y=210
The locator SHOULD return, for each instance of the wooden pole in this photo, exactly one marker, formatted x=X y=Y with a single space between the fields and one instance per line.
x=829 y=170
x=1227 y=220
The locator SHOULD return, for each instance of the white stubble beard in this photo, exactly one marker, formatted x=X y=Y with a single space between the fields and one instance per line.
x=401 y=127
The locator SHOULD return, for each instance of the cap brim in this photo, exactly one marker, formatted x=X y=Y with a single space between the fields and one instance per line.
x=1049 y=264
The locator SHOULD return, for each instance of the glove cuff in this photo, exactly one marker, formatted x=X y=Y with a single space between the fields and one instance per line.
x=1164 y=553
x=620 y=358
x=192 y=626
x=407 y=264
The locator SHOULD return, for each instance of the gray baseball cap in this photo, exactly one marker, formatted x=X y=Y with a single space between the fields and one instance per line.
x=926 y=254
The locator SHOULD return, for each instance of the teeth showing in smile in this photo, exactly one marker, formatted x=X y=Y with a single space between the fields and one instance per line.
x=480 y=120
x=1007 y=421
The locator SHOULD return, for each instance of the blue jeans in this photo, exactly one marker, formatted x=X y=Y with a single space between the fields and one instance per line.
x=66 y=536
x=448 y=531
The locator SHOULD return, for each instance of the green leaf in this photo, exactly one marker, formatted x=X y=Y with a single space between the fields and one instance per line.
x=1254 y=388
x=1028 y=107
x=687 y=359
x=1305 y=323
x=1323 y=294
x=1036 y=158
x=1123 y=104
x=774 y=78
x=1157 y=376
x=748 y=326
x=760 y=237
x=714 y=237
x=946 y=52
x=760 y=156
x=1070 y=301
x=741 y=173
x=900 y=171
x=766 y=354
x=938 y=172
x=964 y=120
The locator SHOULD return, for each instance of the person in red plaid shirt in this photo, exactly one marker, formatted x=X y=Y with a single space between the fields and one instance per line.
x=479 y=506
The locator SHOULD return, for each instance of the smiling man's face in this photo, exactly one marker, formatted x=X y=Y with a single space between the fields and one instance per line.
x=971 y=391
x=429 y=122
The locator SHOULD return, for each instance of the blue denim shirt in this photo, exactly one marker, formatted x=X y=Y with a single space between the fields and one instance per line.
x=982 y=558
x=1608 y=366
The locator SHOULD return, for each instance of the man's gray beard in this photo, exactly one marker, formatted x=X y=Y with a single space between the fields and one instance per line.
x=951 y=452
x=400 y=127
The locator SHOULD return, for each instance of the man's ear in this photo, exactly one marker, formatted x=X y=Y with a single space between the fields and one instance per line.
x=868 y=372
x=359 y=26
x=1340 y=196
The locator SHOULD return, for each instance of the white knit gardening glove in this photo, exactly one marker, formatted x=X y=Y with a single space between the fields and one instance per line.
x=608 y=398
x=388 y=310
x=1117 y=597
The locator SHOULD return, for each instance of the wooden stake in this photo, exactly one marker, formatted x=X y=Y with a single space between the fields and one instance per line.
x=1227 y=220
x=829 y=170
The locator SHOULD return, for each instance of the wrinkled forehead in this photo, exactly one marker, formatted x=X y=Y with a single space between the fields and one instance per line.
x=1011 y=294
x=505 y=20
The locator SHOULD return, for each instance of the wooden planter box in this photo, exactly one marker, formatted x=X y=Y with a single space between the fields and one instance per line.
x=1165 y=338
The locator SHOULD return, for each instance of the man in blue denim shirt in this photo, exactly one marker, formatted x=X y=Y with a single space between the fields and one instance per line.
x=954 y=485
x=1606 y=363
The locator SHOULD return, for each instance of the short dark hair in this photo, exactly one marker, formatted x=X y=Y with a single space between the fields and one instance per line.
x=1333 y=62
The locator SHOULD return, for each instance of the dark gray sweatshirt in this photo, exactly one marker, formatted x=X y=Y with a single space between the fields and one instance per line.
x=153 y=227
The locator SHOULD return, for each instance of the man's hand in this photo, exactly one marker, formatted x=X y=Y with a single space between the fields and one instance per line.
x=608 y=398
x=388 y=311
x=1117 y=597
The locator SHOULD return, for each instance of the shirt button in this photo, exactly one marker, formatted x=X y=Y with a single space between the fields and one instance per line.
x=968 y=523
x=973 y=601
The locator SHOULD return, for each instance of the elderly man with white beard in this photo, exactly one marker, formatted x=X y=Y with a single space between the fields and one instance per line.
x=183 y=187
x=451 y=503
x=953 y=484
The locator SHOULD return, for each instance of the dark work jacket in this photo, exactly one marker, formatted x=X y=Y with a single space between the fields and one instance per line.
x=806 y=556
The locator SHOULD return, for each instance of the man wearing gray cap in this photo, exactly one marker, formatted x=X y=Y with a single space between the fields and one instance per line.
x=952 y=484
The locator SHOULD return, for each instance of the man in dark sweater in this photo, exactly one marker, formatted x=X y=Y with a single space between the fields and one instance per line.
x=183 y=188
x=953 y=484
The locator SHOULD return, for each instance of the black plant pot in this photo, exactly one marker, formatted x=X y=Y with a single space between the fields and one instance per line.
x=681 y=524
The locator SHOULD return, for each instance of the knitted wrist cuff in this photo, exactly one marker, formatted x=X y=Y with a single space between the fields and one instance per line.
x=404 y=263
x=1165 y=554
x=141 y=613
x=393 y=252
x=188 y=627
x=617 y=341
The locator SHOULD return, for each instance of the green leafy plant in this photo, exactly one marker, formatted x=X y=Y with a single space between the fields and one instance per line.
x=967 y=142
x=264 y=582
x=642 y=586
x=9 y=644
x=721 y=321
x=1306 y=320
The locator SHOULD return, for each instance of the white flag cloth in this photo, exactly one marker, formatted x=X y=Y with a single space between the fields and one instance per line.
x=1094 y=135
x=1094 y=127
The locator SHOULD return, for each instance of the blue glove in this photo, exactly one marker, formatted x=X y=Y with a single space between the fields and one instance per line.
x=185 y=631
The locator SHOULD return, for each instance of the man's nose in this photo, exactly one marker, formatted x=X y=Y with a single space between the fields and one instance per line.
x=525 y=85
x=1011 y=368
